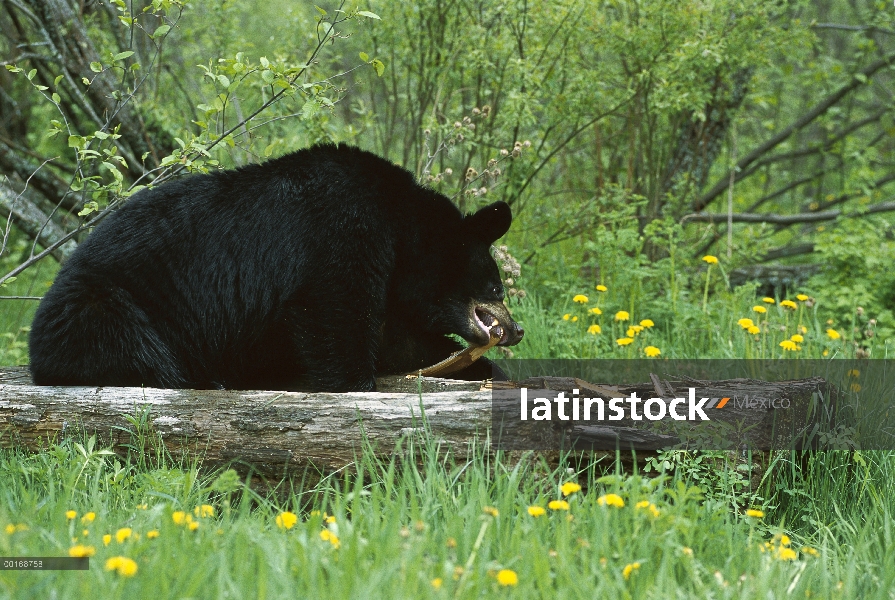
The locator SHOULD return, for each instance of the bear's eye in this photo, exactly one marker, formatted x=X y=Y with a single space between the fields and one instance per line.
x=498 y=291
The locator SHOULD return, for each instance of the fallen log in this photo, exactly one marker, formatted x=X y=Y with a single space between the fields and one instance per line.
x=276 y=433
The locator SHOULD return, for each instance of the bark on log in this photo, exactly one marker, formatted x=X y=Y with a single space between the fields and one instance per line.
x=276 y=433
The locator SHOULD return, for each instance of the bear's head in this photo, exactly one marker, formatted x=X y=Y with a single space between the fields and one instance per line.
x=471 y=299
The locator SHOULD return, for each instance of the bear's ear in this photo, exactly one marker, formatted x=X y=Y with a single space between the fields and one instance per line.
x=490 y=223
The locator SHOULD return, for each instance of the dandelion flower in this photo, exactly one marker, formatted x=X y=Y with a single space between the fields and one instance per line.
x=122 y=534
x=784 y=540
x=601 y=288
x=787 y=554
x=712 y=260
x=566 y=317
x=622 y=315
x=490 y=510
x=536 y=511
x=574 y=319
x=107 y=539
x=687 y=551
x=192 y=526
x=437 y=583
x=179 y=517
x=652 y=351
x=507 y=577
x=286 y=520
x=630 y=568
x=631 y=332
x=10 y=529
x=833 y=334
x=80 y=551
x=328 y=536
x=759 y=309
x=580 y=299
x=206 y=510
x=569 y=488
x=758 y=514
x=70 y=514
x=594 y=329
x=853 y=373
x=624 y=341
x=126 y=567
x=789 y=345
x=558 y=505
x=88 y=517
x=611 y=500
x=797 y=338
x=647 y=323
x=855 y=387
x=810 y=550
x=745 y=323
x=767 y=300
x=595 y=311
x=754 y=330
x=801 y=297
x=152 y=534
x=789 y=304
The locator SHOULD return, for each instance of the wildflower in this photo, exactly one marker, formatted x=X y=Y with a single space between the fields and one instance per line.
x=758 y=514
x=855 y=387
x=80 y=551
x=601 y=288
x=536 y=511
x=712 y=260
x=70 y=514
x=754 y=330
x=745 y=323
x=574 y=319
x=622 y=315
x=687 y=551
x=206 y=510
x=801 y=297
x=451 y=543
x=759 y=309
x=328 y=536
x=648 y=506
x=595 y=311
x=767 y=300
x=437 y=582
x=506 y=577
x=125 y=567
x=122 y=534
x=88 y=517
x=797 y=338
x=611 y=500
x=789 y=304
x=86 y=532
x=580 y=299
x=810 y=550
x=652 y=351
x=179 y=517
x=566 y=317
x=594 y=329
x=558 y=505
x=569 y=488
x=631 y=332
x=152 y=534
x=647 y=323
x=192 y=526
x=787 y=554
x=286 y=520
x=142 y=506
x=784 y=540
x=833 y=334
x=788 y=345
x=107 y=539
x=624 y=341
x=853 y=373
x=490 y=510
x=630 y=568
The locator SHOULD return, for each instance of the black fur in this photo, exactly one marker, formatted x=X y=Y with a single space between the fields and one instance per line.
x=319 y=270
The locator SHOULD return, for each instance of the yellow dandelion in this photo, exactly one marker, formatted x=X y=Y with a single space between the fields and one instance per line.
x=789 y=345
x=801 y=297
x=152 y=534
x=758 y=514
x=595 y=311
x=853 y=373
x=490 y=510
x=759 y=309
x=328 y=536
x=624 y=341
x=789 y=304
x=329 y=519
x=566 y=317
x=80 y=551
x=206 y=510
x=569 y=488
x=70 y=514
x=648 y=506
x=536 y=511
x=179 y=517
x=286 y=520
x=687 y=551
x=126 y=567
x=855 y=387
x=797 y=338
x=630 y=568
x=787 y=554
x=631 y=332
x=85 y=533
x=611 y=500
x=754 y=330
x=580 y=299
x=88 y=517
x=601 y=288
x=745 y=323
x=622 y=315
x=712 y=260
x=192 y=525
x=122 y=534
x=573 y=319
x=437 y=583
x=594 y=329
x=767 y=300
x=833 y=334
x=784 y=540
x=647 y=323
x=810 y=550
x=507 y=577
x=10 y=529
x=142 y=506
x=107 y=539
x=652 y=351
x=558 y=505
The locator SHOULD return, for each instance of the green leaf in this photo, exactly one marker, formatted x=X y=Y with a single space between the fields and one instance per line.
x=264 y=62
x=31 y=74
x=861 y=77
x=368 y=14
x=101 y=135
x=309 y=109
x=364 y=56
x=8 y=281
x=379 y=66
x=75 y=141
x=85 y=81
x=56 y=98
x=161 y=30
x=268 y=76
x=13 y=69
x=224 y=80
x=320 y=10
x=58 y=79
x=96 y=67
x=89 y=207
x=123 y=55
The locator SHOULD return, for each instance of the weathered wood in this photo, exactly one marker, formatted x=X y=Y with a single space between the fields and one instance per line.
x=280 y=432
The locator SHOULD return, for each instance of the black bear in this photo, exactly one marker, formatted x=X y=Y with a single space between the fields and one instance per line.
x=319 y=270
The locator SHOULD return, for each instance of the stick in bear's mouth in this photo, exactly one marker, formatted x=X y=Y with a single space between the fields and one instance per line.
x=482 y=317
